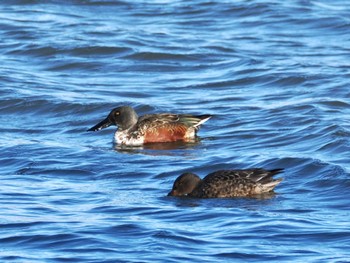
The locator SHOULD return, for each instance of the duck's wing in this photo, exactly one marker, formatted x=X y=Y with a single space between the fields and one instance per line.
x=231 y=183
x=255 y=174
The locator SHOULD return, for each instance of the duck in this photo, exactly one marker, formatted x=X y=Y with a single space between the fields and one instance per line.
x=151 y=128
x=226 y=183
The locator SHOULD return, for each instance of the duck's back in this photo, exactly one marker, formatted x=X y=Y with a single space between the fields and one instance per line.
x=167 y=127
x=234 y=183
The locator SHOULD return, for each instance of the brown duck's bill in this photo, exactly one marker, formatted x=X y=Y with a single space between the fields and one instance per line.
x=101 y=125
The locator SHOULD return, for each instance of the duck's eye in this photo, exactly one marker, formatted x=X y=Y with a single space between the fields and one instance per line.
x=117 y=113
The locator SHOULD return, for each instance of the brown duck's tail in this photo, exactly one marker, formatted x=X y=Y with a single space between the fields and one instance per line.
x=260 y=175
x=194 y=121
x=276 y=171
x=268 y=187
x=267 y=183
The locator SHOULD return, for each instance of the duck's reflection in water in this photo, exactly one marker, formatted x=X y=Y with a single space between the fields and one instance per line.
x=157 y=148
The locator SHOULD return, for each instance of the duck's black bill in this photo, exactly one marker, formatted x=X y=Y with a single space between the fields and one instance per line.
x=101 y=125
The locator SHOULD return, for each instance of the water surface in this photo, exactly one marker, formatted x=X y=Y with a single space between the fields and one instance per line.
x=275 y=77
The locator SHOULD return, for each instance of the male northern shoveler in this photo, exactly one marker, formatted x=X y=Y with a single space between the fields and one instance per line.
x=150 y=128
x=226 y=183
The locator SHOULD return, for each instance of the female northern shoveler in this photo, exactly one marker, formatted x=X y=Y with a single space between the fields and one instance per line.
x=151 y=128
x=226 y=183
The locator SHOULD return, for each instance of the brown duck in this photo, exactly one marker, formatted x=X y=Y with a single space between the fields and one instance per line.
x=151 y=128
x=226 y=183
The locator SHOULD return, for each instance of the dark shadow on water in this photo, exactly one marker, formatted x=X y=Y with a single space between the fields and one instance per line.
x=234 y=202
x=157 y=149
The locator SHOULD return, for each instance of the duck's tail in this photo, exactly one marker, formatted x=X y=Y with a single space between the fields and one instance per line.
x=268 y=187
x=202 y=119
x=267 y=183
x=194 y=121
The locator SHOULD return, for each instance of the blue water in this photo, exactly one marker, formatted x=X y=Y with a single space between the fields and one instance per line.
x=275 y=75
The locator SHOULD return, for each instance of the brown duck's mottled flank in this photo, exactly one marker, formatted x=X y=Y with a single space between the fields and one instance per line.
x=226 y=183
x=151 y=128
x=169 y=132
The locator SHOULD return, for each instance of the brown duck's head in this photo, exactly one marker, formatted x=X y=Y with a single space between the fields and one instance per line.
x=124 y=117
x=184 y=184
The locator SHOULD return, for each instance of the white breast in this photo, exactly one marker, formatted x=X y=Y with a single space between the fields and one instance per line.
x=124 y=138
